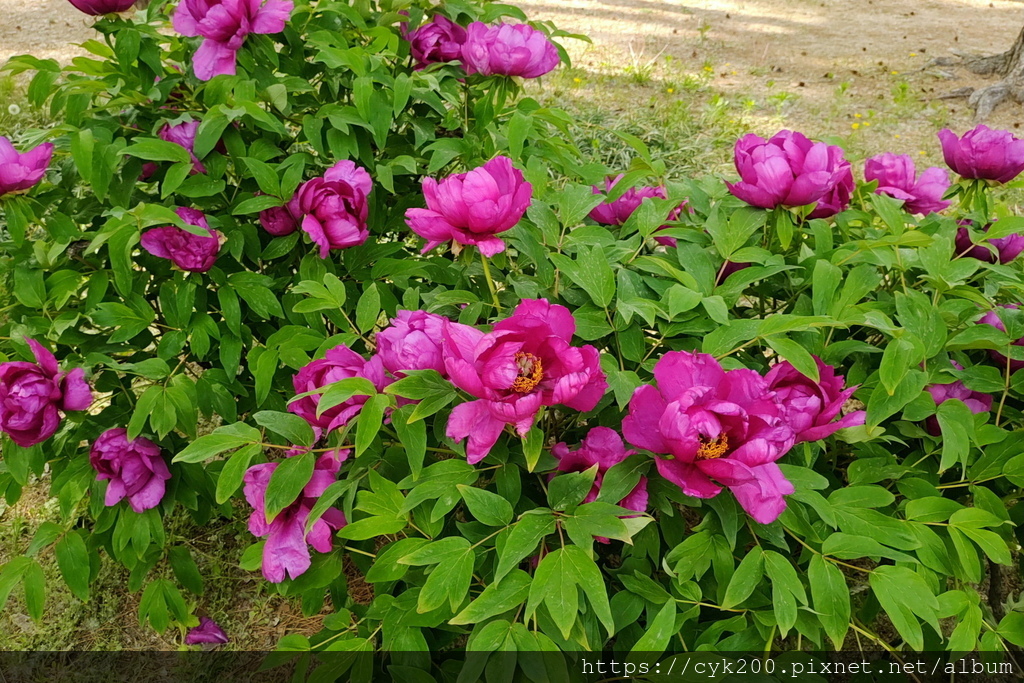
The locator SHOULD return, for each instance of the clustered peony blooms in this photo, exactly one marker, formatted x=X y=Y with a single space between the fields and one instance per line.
x=1007 y=248
x=472 y=208
x=439 y=40
x=508 y=50
x=99 y=7
x=811 y=408
x=526 y=362
x=977 y=401
x=224 y=25
x=184 y=134
x=412 y=342
x=789 y=170
x=188 y=251
x=339 y=363
x=135 y=469
x=896 y=176
x=20 y=172
x=618 y=212
x=286 y=551
x=602 y=447
x=208 y=631
x=992 y=318
x=983 y=153
x=333 y=208
x=31 y=394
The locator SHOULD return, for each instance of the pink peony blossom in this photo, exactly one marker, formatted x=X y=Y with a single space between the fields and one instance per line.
x=983 y=153
x=337 y=364
x=136 y=469
x=508 y=50
x=20 y=172
x=810 y=407
x=412 y=342
x=333 y=209
x=188 y=251
x=896 y=176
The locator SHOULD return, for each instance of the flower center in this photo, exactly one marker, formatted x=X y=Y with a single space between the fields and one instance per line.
x=531 y=372
x=712 y=448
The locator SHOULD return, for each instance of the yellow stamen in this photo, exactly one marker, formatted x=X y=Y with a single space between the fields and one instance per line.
x=531 y=372
x=712 y=448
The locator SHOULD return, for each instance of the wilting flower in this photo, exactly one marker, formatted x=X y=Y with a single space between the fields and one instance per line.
x=194 y=253
x=619 y=211
x=208 y=631
x=602 y=447
x=439 y=40
x=526 y=362
x=896 y=176
x=22 y=171
x=471 y=208
x=790 y=170
x=992 y=318
x=714 y=424
x=334 y=208
x=976 y=401
x=337 y=364
x=286 y=550
x=508 y=50
x=281 y=220
x=412 y=342
x=183 y=134
x=1007 y=248
x=224 y=25
x=135 y=469
x=810 y=407
x=32 y=393
x=98 y=7
x=983 y=153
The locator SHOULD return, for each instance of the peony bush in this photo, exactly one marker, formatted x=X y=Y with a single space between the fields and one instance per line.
x=321 y=270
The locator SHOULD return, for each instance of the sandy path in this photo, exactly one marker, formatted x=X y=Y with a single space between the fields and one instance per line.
x=45 y=28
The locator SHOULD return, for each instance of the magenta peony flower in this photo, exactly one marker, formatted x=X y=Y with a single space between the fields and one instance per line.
x=136 y=469
x=810 y=407
x=194 y=253
x=287 y=549
x=281 y=220
x=983 y=153
x=790 y=170
x=333 y=208
x=975 y=400
x=508 y=50
x=32 y=393
x=602 y=447
x=526 y=362
x=992 y=318
x=837 y=199
x=412 y=342
x=896 y=176
x=1007 y=248
x=439 y=40
x=224 y=26
x=471 y=208
x=183 y=134
x=714 y=424
x=22 y=171
x=208 y=631
x=727 y=269
x=619 y=211
x=339 y=363
x=99 y=7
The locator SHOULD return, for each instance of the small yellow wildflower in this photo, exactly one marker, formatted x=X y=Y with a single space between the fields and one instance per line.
x=897 y=136
x=577 y=80
x=857 y=116
x=670 y=91
x=913 y=54
x=855 y=126
x=921 y=152
x=895 y=73
x=867 y=123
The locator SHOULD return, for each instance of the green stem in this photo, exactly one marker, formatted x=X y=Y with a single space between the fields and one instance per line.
x=490 y=282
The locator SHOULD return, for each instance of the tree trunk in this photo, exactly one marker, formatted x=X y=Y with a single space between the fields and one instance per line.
x=1009 y=66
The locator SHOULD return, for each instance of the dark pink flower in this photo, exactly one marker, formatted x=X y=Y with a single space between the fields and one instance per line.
x=188 y=251
x=224 y=25
x=992 y=318
x=810 y=407
x=334 y=208
x=896 y=176
x=31 y=394
x=727 y=269
x=975 y=400
x=790 y=170
x=714 y=424
x=412 y=342
x=526 y=362
x=472 y=208
x=22 y=171
x=183 y=134
x=208 y=631
x=983 y=153
x=281 y=220
x=99 y=7
x=508 y=50
x=135 y=469
x=439 y=40
x=337 y=364
x=287 y=549
x=837 y=198
x=1007 y=248
x=619 y=211
x=602 y=447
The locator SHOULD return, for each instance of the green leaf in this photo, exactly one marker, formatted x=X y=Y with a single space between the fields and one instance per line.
x=555 y=587
x=185 y=569
x=905 y=596
x=796 y=354
x=413 y=436
x=233 y=472
x=449 y=581
x=957 y=424
x=587 y=576
x=220 y=440
x=570 y=488
x=73 y=562
x=487 y=507
x=371 y=527
x=533 y=446
x=265 y=175
x=523 y=540
x=747 y=577
x=370 y=420
x=34 y=583
x=287 y=482
x=497 y=598
x=157 y=150
x=368 y=308
x=292 y=427
x=831 y=598
x=786 y=590
x=660 y=631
